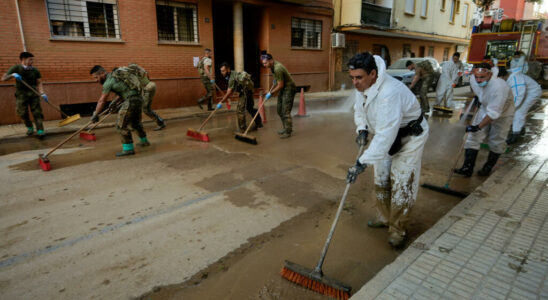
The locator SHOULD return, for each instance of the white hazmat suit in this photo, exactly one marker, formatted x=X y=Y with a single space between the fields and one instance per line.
x=449 y=76
x=519 y=65
x=497 y=103
x=383 y=109
x=526 y=92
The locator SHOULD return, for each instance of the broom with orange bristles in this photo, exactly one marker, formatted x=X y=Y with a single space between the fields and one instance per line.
x=315 y=279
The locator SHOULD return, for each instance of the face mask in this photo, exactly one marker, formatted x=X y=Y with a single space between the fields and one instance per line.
x=482 y=84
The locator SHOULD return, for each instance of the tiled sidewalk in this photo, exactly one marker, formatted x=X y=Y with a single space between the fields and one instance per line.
x=493 y=245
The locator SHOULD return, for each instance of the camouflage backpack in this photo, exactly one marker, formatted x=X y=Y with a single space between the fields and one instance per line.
x=426 y=66
x=127 y=76
x=244 y=79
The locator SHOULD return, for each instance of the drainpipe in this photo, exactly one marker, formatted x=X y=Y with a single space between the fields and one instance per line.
x=238 y=37
x=20 y=25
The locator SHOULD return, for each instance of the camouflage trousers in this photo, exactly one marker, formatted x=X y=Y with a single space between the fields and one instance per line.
x=245 y=102
x=129 y=116
x=209 y=91
x=285 y=105
x=424 y=84
x=148 y=94
x=23 y=103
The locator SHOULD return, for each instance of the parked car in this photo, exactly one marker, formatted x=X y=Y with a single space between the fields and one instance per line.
x=466 y=73
x=400 y=72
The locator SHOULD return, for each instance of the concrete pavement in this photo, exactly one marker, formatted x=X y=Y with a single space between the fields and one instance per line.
x=493 y=245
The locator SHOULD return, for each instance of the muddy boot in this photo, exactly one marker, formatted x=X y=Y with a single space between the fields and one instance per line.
x=210 y=106
x=467 y=168
x=376 y=224
x=396 y=240
x=489 y=164
x=143 y=142
x=285 y=135
x=127 y=150
x=200 y=101
x=161 y=124
x=30 y=131
x=513 y=138
x=41 y=134
x=282 y=131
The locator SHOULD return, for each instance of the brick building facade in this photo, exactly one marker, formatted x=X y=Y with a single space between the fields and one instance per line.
x=162 y=36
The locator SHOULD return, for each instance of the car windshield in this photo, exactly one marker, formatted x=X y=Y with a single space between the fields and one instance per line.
x=400 y=64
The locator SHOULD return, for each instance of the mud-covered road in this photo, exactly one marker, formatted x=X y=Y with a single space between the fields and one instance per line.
x=184 y=219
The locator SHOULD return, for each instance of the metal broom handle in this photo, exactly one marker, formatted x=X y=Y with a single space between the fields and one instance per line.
x=335 y=221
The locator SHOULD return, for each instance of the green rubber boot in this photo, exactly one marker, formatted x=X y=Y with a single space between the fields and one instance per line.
x=127 y=149
x=41 y=134
x=30 y=131
x=143 y=142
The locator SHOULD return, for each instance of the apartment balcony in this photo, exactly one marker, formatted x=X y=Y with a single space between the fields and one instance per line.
x=376 y=15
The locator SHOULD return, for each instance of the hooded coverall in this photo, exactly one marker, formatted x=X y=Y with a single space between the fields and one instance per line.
x=449 y=76
x=526 y=92
x=497 y=103
x=383 y=109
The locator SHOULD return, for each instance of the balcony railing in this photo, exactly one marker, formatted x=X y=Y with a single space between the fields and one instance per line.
x=375 y=15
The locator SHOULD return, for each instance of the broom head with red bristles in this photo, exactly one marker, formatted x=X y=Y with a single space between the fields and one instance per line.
x=44 y=162
x=89 y=136
x=200 y=136
x=315 y=281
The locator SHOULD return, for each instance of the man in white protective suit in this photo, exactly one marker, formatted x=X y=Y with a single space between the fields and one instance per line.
x=519 y=63
x=491 y=122
x=526 y=92
x=448 y=80
x=386 y=108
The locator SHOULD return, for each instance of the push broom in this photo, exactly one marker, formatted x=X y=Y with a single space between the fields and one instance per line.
x=247 y=138
x=202 y=135
x=67 y=120
x=315 y=279
x=445 y=188
x=90 y=136
x=43 y=160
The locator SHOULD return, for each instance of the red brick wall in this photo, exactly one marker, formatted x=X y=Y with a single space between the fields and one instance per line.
x=307 y=67
x=63 y=62
x=65 y=65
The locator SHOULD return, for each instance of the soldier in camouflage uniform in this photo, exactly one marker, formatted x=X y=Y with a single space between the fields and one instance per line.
x=24 y=97
x=424 y=74
x=204 y=68
x=241 y=82
x=287 y=90
x=149 y=90
x=127 y=87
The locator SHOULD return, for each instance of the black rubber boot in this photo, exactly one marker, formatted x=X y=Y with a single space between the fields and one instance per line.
x=467 y=168
x=513 y=138
x=489 y=164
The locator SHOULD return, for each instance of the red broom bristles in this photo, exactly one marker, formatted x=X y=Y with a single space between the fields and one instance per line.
x=313 y=284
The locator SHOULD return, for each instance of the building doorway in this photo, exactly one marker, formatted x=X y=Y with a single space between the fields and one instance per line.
x=223 y=39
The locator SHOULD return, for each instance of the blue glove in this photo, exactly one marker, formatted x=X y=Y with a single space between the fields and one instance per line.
x=268 y=96
x=17 y=76
x=212 y=80
x=472 y=128
x=354 y=171
x=45 y=97
x=219 y=105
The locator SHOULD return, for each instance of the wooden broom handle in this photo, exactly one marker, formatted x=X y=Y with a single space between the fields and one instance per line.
x=257 y=113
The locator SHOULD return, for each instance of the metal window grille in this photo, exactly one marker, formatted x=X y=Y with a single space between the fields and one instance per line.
x=177 y=21
x=88 y=19
x=306 y=33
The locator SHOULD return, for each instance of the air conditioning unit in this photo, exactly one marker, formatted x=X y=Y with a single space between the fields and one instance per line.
x=337 y=40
